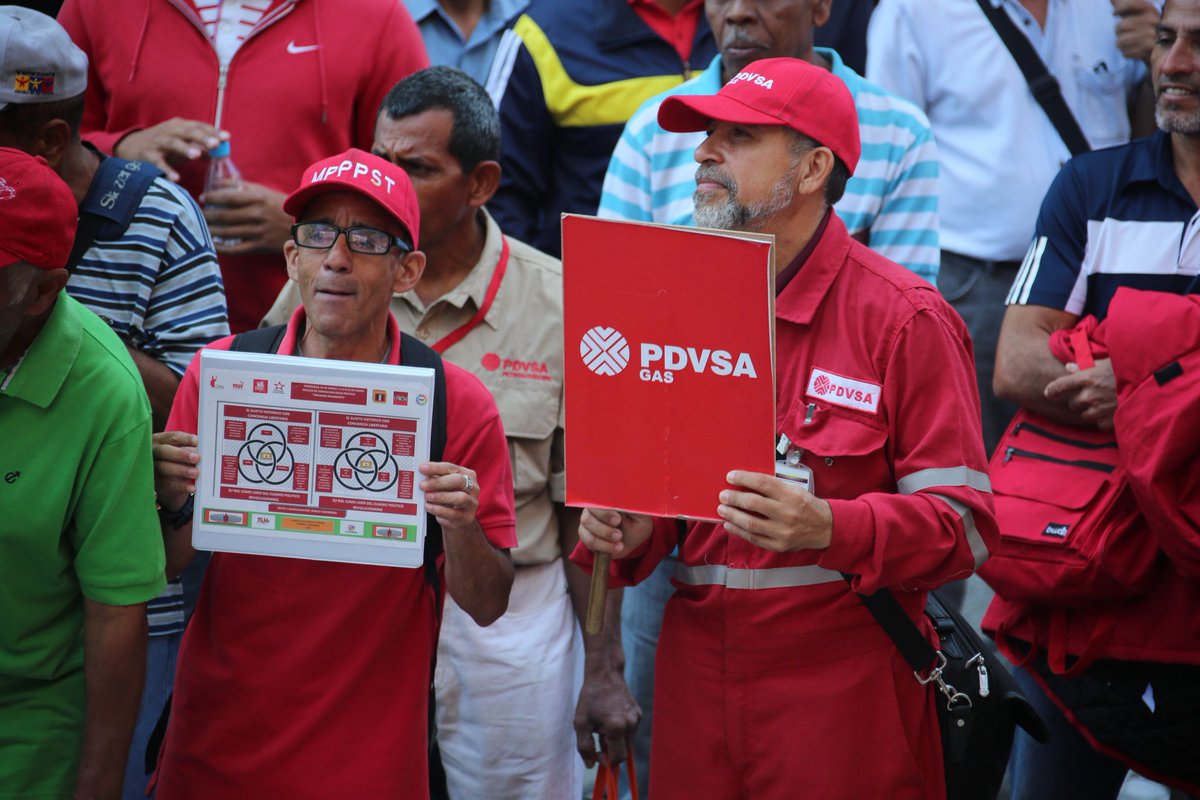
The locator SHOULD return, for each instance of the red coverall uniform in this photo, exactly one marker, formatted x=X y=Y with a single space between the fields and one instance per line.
x=306 y=83
x=772 y=679
x=307 y=679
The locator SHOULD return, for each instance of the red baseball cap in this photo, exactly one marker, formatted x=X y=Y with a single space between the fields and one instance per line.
x=38 y=213
x=369 y=175
x=776 y=91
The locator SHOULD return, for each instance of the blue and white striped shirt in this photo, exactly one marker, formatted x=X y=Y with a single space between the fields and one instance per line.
x=893 y=193
x=159 y=284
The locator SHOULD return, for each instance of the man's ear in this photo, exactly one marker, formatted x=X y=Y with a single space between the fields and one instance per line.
x=45 y=289
x=412 y=266
x=291 y=251
x=814 y=170
x=482 y=183
x=821 y=11
x=52 y=141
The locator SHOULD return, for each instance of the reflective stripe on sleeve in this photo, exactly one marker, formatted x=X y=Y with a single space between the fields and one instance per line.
x=738 y=578
x=974 y=540
x=944 y=476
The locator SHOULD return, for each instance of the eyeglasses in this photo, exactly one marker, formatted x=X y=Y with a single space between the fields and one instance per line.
x=360 y=239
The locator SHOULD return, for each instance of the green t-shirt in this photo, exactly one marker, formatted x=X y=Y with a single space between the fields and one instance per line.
x=77 y=520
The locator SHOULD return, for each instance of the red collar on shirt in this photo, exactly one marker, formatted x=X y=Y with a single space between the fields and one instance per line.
x=782 y=279
x=799 y=300
x=296 y=324
x=679 y=30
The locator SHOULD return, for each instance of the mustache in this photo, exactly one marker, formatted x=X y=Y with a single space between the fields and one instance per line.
x=738 y=37
x=713 y=175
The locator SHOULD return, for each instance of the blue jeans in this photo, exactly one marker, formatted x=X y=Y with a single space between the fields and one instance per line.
x=641 y=620
x=161 y=654
x=1066 y=767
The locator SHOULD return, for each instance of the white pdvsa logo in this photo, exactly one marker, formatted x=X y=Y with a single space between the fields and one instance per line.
x=755 y=78
x=604 y=351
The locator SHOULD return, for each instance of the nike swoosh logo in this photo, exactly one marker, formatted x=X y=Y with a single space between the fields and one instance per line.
x=305 y=48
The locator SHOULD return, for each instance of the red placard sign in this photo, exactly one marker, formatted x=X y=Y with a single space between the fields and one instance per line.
x=669 y=364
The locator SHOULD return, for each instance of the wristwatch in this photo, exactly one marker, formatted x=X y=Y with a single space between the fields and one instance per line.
x=177 y=519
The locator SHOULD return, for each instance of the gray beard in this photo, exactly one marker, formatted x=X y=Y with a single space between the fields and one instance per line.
x=730 y=215
x=1176 y=121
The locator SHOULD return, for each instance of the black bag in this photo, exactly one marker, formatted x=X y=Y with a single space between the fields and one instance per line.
x=979 y=704
x=1141 y=713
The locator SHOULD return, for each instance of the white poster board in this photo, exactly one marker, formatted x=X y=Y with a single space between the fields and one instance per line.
x=309 y=458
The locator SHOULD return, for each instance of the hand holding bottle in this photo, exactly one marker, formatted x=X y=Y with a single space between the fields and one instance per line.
x=170 y=143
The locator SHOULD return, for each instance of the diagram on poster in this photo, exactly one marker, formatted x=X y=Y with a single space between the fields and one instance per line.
x=312 y=459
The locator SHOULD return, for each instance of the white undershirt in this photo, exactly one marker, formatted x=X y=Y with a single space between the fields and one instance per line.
x=228 y=22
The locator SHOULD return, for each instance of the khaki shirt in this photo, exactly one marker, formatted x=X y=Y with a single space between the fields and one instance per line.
x=516 y=350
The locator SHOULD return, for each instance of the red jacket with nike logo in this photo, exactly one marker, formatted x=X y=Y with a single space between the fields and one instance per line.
x=305 y=84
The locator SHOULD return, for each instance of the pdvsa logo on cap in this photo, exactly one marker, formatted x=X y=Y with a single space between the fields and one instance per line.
x=7 y=192
x=357 y=170
x=604 y=351
x=755 y=78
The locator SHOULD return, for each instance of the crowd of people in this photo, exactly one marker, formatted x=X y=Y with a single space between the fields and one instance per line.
x=944 y=236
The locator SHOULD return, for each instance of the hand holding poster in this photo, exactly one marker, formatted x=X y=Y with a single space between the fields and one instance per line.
x=670 y=378
x=311 y=458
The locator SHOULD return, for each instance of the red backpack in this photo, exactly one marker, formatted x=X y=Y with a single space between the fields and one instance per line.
x=1070 y=528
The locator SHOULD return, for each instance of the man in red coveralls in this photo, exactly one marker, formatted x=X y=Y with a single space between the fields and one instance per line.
x=773 y=680
x=308 y=679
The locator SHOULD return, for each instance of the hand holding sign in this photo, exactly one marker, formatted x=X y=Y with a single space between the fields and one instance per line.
x=614 y=533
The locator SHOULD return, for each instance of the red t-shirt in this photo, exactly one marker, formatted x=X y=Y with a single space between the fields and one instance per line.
x=679 y=29
x=309 y=679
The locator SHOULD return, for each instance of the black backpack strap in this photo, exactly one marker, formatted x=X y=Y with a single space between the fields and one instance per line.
x=111 y=202
x=260 y=340
x=414 y=353
x=1044 y=86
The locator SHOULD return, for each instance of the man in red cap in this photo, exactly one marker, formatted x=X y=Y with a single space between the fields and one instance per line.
x=308 y=679
x=80 y=549
x=773 y=680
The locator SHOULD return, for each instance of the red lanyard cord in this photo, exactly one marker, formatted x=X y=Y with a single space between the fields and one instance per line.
x=456 y=335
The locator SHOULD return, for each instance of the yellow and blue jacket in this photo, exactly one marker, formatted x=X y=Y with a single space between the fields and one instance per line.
x=566 y=79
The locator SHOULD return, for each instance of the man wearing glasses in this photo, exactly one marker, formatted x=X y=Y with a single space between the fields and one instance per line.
x=309 y=679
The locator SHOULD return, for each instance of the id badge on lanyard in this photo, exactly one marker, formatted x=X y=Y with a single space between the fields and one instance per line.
x=788 y=466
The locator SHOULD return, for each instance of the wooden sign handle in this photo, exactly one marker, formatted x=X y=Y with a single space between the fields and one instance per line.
x=598 y=597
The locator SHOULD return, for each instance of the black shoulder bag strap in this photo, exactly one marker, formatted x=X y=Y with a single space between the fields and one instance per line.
x=911 y=643
x=112 y=201
x=1044 y=86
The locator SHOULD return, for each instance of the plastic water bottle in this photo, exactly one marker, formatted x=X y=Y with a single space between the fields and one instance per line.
x=222 y=174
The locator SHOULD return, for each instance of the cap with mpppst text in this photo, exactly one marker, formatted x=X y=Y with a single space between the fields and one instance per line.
x=369 y=175
x=38 y=61
x=38 y=213
x=776 y=91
